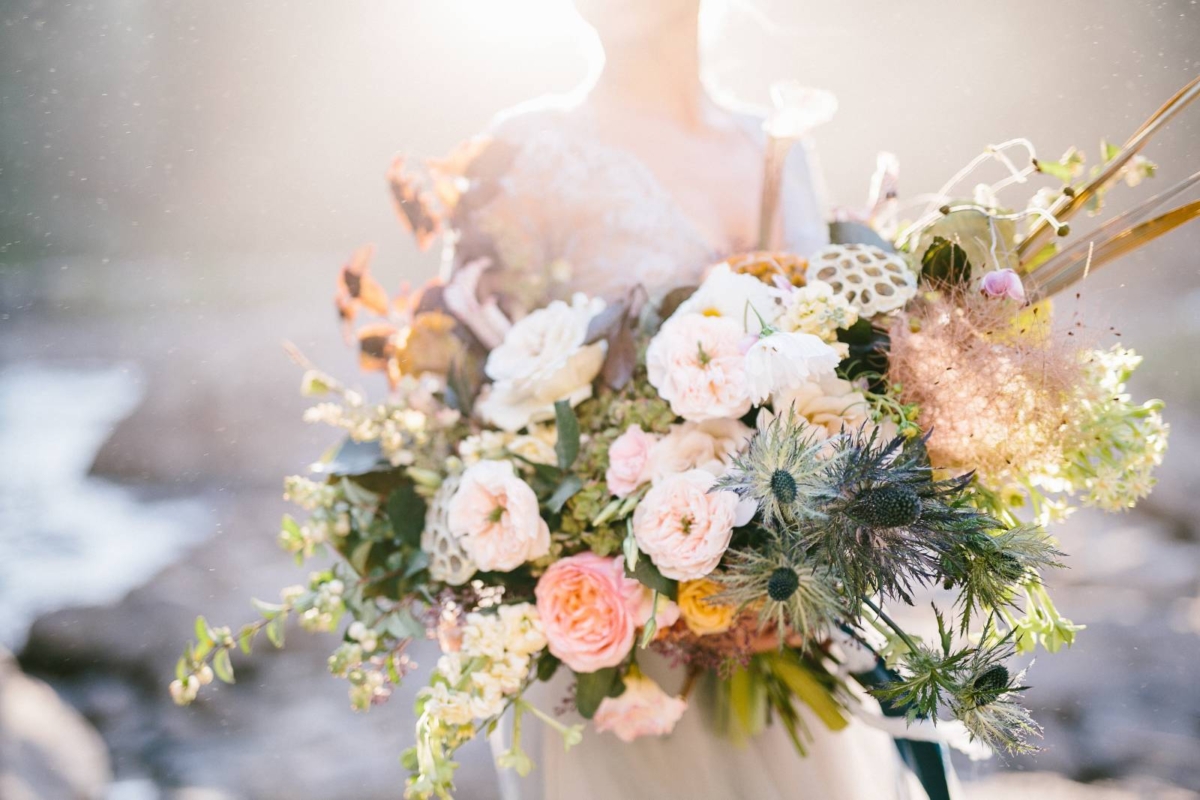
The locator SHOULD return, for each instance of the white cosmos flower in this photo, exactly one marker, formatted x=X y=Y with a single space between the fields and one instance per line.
x=781 y=361
x=742 y=298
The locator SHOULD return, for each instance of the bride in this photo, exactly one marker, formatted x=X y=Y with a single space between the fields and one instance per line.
x=643 y=180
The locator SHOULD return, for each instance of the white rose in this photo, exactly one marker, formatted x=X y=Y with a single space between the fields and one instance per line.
x=696 y=364
x=782 y=361
x=542 y=360
x=828 y=405
x=732 y=295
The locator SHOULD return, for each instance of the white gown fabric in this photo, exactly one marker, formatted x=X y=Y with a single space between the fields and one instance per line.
x=574 y=214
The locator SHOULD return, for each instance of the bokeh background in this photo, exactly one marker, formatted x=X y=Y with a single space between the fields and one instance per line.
x=179 y=182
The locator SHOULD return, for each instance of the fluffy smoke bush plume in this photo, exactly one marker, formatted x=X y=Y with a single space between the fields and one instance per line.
x=994 y=383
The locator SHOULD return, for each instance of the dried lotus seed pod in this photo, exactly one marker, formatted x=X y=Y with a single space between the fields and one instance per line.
x=448 y=561
x=870 y=279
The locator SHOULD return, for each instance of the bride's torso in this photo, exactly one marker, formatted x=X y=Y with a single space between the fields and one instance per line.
x=578 y=206
x=594 y=206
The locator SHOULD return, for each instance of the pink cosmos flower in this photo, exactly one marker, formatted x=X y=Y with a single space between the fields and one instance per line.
x=696 y=365
x=628 y=457
x=683 y=527
x=1003 y=283
x=496 y=516
x=588 y=611
x=643 y=709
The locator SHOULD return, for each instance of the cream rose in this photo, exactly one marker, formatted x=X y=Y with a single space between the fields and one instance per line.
x=542 y=360
x=643 y=709
x=696 y=364
x=683 y=527
x=710 y=445
x=495 y=515
x=828 y=405
x=588 y=610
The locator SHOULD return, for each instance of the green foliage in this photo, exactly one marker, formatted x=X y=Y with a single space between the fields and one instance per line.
x=945 y=263
x=592 y=687
x=406 y=512
x=567 y=446
x=648 y=575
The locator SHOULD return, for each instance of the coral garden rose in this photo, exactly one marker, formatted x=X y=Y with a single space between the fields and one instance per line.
x=589 y=611
x=696 y=364
x=643 y=709
x=495 y=515
x=700 y=612
x=684 y=527
x=628 y=457
x=542 y=360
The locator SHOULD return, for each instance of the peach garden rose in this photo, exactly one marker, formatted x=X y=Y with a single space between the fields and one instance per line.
x=683 y=527
x=495 y=514
x=589 y=610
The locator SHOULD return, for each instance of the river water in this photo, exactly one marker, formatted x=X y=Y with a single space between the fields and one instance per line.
x=68 y=538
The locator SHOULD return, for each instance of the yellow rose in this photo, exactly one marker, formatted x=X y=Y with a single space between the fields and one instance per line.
x=702 y=615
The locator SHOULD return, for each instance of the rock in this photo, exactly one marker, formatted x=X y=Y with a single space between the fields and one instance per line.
x=47 y=750
x=284 y=730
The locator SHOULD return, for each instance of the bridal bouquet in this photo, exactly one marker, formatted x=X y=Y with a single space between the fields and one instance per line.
x=742 y=475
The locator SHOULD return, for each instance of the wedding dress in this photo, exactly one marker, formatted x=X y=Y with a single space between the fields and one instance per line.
x=571 y=213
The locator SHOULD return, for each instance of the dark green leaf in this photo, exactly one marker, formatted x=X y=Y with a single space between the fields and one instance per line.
x=648 y=575
x=567 y=446
x=565 y=491
x=359 y=555
x=406 y=512
x=592 y=687
x=857 y=233
x=547 y=665
x=945 y=263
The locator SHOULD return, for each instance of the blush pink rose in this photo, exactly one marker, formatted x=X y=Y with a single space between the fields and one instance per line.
x=628 y=457
x=495 y=514
x=588 y=611
x=696 y=364
x=643 y=709
x=683 y=527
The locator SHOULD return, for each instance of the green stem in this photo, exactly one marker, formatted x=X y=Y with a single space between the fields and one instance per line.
x=904 y=637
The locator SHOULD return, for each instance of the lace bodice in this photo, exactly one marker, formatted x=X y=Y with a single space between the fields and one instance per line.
x=571 y=213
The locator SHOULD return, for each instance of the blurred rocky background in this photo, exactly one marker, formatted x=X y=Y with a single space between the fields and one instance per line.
x=179 y=182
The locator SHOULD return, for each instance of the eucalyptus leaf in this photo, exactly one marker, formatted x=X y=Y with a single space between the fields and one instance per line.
x=569 y=487
x=353 y=458
x=567 y=446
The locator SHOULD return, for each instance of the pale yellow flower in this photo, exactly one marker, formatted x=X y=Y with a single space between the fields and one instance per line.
x=702 y=615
